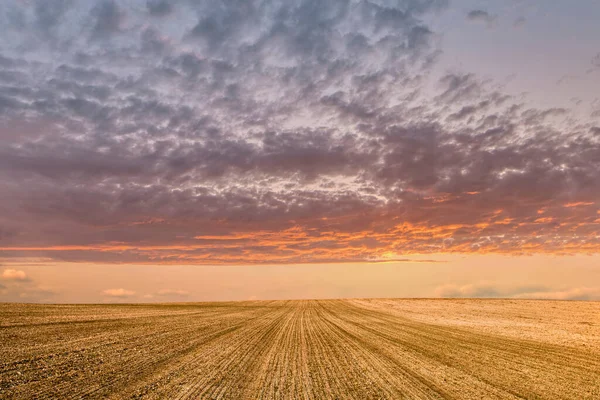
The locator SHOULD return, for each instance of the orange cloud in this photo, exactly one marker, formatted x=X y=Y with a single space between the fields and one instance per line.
x=579 y=204
x=118 y=292
x=383 y=241
x=14 y=275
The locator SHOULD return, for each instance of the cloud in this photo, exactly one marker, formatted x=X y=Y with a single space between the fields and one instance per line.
x=121 y=293
x=570 y=294
x=108 y=18
x=10 y=274
x=172 y=292
x=34 y=294
x=519 y=22
x=159 y=8
x=49 y=16
x=272 y=133
x=596 y=61
x=469 y=291
x=17 y=286
x=490 y=290
x=167 y=295
x=482 y=17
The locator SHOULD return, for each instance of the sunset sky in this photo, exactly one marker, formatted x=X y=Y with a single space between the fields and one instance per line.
x=183 y=150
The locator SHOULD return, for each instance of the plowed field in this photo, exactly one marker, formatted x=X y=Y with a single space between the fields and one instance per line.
x=344 y=349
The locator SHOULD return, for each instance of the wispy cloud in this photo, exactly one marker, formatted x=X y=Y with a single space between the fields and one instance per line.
x=583 y=293
x=483 y=17
x=120 y=293
x=172 y=292
x=490 y=290
x=519 y=22
x=167 y=295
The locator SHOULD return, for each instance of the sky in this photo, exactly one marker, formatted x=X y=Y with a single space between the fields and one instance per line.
x=179 y=150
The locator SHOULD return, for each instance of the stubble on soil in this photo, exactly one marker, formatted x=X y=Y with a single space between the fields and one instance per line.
x=329 y=349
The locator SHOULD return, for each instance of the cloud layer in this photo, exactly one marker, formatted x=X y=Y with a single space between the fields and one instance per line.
x=271 y=132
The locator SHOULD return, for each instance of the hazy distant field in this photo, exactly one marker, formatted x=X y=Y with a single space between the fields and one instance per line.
x=354 y=349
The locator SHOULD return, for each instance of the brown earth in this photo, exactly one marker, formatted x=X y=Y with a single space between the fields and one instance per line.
x=345 y=349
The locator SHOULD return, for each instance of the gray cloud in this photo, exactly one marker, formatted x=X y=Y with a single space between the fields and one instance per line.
x=596 y=61
x=108 y=19
x=520 y=22
x=50 y=15
x=159 y=8
x=272 y=132
x=483 y=17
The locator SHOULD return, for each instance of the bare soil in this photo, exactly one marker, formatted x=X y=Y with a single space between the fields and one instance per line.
x=330 y=349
